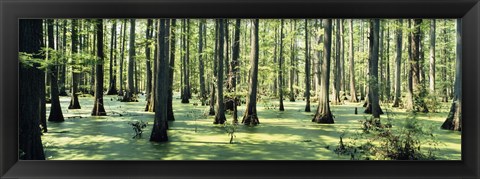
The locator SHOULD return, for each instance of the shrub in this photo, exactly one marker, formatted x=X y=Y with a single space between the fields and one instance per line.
x=377 y=141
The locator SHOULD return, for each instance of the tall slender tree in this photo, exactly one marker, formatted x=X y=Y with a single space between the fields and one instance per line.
x=55 y=109
x=307 y=69
x=373 y=102
x=159 y=131
x=234 y=66
x=293 y=55
x=432 y=56
x=148 y=37
x=29 y=134
x=398 y=63
x=337 y=69
x=419 y=91
x=201 y=66
x=323 y=114
x=185 y=84
x=112 y=79
x=280 y=69
x=169 y=44
x=74 y=103
x=374 y=85
x=63 y=72
x=98 y=106
x=130 y=93
x=250 y=117
x=220 y=115
x=454 y=118
x=122 y=57
x=353 y=91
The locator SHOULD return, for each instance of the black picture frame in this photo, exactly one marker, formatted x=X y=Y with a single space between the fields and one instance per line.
x=12 y=10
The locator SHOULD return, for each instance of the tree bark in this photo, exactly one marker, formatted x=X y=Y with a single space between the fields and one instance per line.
x=307 y=69
x=63 y=73
x=185 y=87
x=55 y=109
x=250 y=117
x=74 y=104
x=170 y=33
x=432 y=56
x=398 y=64
x=454 y=118
x=159 y=131
x=130 y=93
x=353 y=92
x=122 y=56
x=323 y=114
x=98 y=107
x=30 y=142
x=419 y=92
x=151 y=100
x=373 y=103
x=112 y=79
x=336 y=77
x=201 y=67
x=220 y=115
x=149 y=34
x=374 y=69
x=280 y=69
x=292 y=63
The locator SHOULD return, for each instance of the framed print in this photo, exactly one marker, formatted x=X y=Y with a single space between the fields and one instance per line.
x=239 y=89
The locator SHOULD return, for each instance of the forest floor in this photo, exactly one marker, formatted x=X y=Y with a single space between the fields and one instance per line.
x=287 y=135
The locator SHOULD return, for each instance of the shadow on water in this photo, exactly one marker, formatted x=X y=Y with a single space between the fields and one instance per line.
x=287 y=135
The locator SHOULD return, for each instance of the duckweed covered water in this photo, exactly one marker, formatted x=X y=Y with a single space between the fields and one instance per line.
x=287 y=135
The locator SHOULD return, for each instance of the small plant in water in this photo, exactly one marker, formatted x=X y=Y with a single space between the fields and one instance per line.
x=230 y=128
x=138 y=127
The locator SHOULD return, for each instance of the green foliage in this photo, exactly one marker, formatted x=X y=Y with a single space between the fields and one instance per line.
x=380 y=142
x=230 y=129
x=138 y=127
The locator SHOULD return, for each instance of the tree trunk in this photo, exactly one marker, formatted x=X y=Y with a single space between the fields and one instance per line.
x=419 y=92
x=185 y=88
x=159 y=131
x=170 y=33
x=98 y=107
x=374 y=69
x=280 y=69
x=323 y=114
x=444 y=67
x=112 y=80
x=353 y=92
x=63 y=73
x=307 y=69
x=215 y=59
x=30 y=142
x=148 y=87
x=250 y=117
x=234 y=66
x=432 y=56
x=55 y=110
x=409 y=102
x=220 y=115
x=201 y=67
x=292 y=62
x=454 y=118
x=342 y=63
x=122 y=56
x=398 y=64
x=130 y=93
x=74 y=104
x=151 y=100
x=387 y=66
x=336 y=77
x=373 y=104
